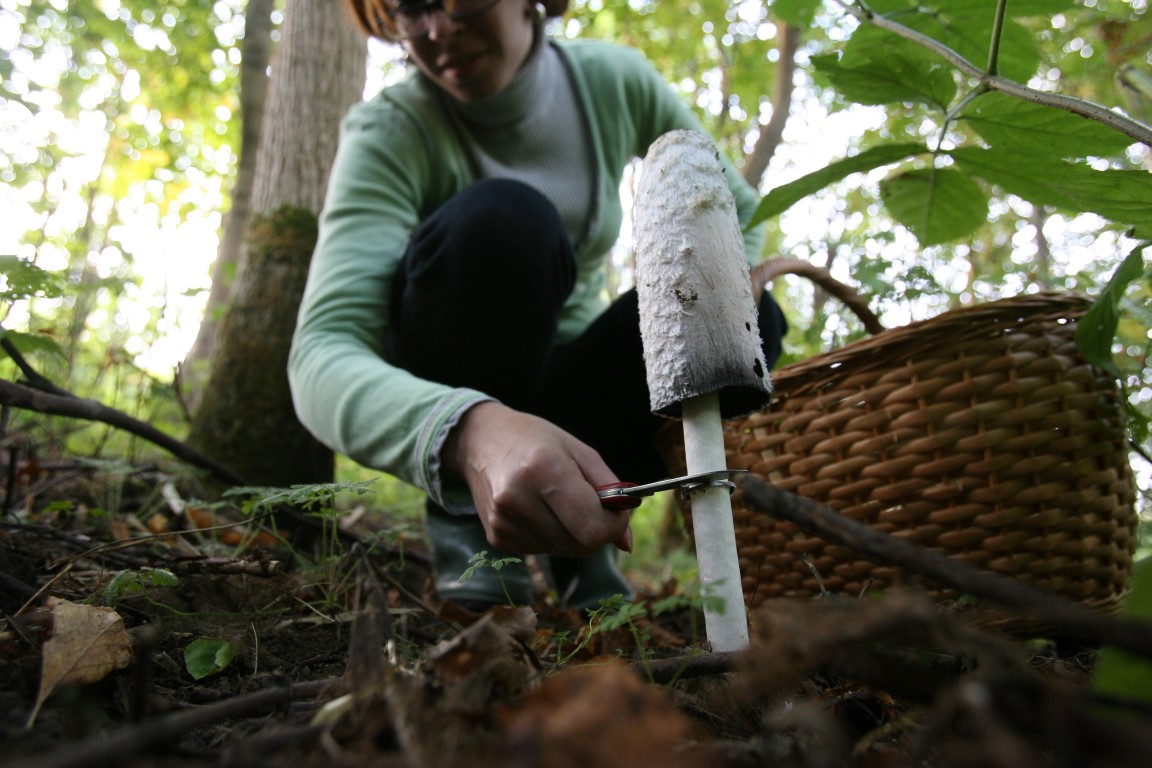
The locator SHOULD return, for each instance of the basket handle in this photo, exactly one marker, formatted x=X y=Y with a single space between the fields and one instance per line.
x=767 y=271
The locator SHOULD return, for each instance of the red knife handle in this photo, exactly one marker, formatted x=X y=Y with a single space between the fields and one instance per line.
x=621 y=502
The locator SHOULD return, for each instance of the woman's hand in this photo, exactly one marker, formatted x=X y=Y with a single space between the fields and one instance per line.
x=534 y=484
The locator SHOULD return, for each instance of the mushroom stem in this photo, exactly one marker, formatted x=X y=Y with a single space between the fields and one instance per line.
x=725 y=619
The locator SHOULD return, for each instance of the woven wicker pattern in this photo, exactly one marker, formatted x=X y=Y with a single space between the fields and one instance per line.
x=981 y=434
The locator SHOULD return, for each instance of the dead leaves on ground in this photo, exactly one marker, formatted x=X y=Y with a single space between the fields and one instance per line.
x=483 y=698
x=88 y=642
x=894 y=682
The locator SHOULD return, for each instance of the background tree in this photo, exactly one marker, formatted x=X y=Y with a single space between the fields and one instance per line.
x=253 y=90
x=246 y=420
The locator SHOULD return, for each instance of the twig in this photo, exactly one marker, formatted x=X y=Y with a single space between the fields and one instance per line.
x=817 y=519
x=114 y=748
x=55 y=404
x=663 y=671
x=35 y=379
x=226 y=566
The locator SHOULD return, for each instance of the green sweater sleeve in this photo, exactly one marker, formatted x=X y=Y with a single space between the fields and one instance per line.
x=344 y=390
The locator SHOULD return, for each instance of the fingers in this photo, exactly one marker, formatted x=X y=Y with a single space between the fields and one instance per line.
x=553 y=524
x=534 y=484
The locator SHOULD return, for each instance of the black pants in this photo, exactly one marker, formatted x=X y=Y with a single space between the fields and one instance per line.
x=476 y=303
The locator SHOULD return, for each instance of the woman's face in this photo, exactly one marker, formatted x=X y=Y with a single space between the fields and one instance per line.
x=476 y=57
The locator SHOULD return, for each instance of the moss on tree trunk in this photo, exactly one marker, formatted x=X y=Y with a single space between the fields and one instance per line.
x=246 y=420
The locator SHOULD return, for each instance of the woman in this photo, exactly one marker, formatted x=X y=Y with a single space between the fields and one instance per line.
x=454 y=331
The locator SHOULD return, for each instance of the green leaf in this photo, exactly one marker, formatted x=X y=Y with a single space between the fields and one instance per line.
x=206 y=656
x=938 y=204
x=1120 y=673
x=879 y=67
x=966 y=27
x=134 y=582
x=26 y=343
x=785 y=196
x=24 y=280
x=1097 y=329
x=1124 y=197
x=1012 y=123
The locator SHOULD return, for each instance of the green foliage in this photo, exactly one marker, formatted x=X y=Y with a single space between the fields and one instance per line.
x=877 y=67
x=1120 y=195
x=318 y=498
x=126 y=583
x=480 y=560
x=1038 y=151
x=937 y=204
x=717 y=54
x=783 y=197
x=616 y=613
x=117 y=118
x=24 y=280
x=1099 y=330
x=206 y=656
x=1038 y=129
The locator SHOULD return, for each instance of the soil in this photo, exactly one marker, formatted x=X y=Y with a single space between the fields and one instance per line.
x=340 y=654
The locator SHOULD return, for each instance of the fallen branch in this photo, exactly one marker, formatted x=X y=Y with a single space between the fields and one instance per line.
x=819 y=520
x=662 y=671
x=116 y=747
x=33 y=399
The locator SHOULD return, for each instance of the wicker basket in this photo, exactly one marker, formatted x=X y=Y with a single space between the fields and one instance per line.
x=981 y=434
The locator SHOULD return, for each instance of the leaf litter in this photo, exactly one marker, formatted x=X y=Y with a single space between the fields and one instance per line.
x=343 y=656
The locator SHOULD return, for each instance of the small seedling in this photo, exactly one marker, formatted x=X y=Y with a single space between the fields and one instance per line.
x=481 y=560
x=206 y=656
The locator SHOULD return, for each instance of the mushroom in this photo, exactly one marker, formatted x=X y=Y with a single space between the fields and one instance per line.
x=702 y=347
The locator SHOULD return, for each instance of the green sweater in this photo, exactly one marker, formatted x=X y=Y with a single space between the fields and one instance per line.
x=399 y=159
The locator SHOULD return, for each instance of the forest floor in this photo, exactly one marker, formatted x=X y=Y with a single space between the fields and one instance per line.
x=171 y=635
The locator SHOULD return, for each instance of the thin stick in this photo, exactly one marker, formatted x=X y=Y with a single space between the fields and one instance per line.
x=31 y=399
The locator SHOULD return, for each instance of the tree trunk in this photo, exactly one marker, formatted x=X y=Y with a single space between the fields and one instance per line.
x=756 y=163
x=246 y=420
x=253 y=94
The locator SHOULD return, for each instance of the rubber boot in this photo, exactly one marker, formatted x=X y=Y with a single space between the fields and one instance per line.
x=582 y=583
x=455 y=539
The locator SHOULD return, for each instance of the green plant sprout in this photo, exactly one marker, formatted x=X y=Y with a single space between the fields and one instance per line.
x=481 y=560
x=317 y=499
x=615 y=613
x=127 y=583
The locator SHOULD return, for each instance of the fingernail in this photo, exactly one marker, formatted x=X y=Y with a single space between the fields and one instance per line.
x=626 y=540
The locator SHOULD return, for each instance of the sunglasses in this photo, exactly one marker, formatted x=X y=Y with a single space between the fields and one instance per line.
x=412 y=18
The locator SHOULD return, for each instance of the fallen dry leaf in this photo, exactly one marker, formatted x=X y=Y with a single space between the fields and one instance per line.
x=445 y=714
x=603 y=716
x=87 y=643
